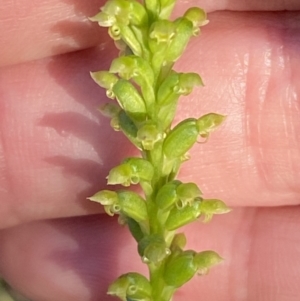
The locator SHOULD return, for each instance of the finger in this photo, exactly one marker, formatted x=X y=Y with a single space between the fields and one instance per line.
x=76 y=259
x=44 y=28
x=57 y=149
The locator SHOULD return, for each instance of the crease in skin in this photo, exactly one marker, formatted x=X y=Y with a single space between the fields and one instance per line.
x=239 y=284
x=262 y=95
x=6 y=193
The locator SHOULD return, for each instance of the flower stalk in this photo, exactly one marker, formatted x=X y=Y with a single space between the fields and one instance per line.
x=145 y=90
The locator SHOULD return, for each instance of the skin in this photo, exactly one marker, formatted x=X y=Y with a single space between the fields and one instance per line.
x=56 y=149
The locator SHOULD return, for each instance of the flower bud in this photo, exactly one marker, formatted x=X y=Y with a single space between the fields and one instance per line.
x=131 y=286
x=205 y=260
x=183 y=216
x=149 y=135
x=130 y=99
x=180 y=139
x=167 y=195
x=153 y=249
x=211 y=207
x=133 y=205
x=180 y=269
x=208 y=123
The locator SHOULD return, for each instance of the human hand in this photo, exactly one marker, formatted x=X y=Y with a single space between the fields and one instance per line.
x=56 y=149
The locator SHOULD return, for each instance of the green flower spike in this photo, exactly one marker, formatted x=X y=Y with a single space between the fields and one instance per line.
x=145 y=91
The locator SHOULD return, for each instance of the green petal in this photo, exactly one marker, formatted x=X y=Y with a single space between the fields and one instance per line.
x=208 y=123
x=105 y=197
x=120 y=174
x=205 y=260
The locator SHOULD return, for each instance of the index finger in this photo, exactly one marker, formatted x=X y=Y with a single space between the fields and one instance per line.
x=37 y=29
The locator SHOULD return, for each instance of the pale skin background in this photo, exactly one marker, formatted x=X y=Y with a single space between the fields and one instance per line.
x=56 y=149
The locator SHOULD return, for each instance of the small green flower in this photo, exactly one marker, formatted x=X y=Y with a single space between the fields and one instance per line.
x=208 y=123
x=149 y=134
x=131 y=286
x=211 y=207
x=188 y=193
x=179 y=217
x=153 y=249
